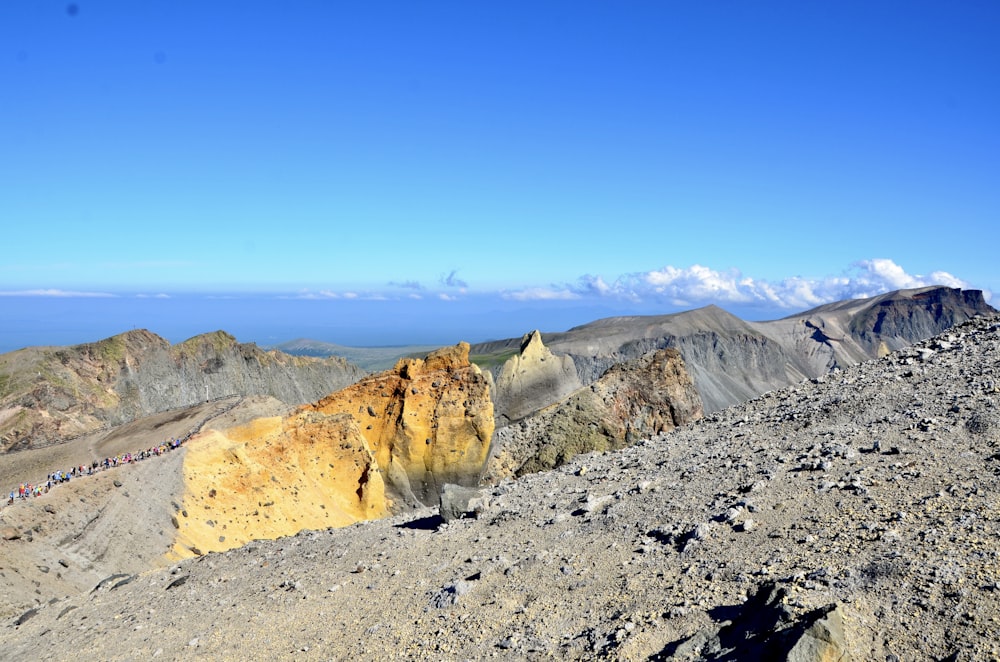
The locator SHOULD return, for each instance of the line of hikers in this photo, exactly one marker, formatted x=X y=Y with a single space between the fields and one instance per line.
x=26 y=490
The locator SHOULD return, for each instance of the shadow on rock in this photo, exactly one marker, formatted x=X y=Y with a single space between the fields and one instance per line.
x=764 y=629
x=429 y=523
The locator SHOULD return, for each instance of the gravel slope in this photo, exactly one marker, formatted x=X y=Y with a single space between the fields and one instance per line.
x=875 y=489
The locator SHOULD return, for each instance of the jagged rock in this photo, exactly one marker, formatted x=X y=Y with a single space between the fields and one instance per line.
x=10 y=533
x=764 y=629
x=648 y=396
x=532 y=379
x=823 y=640
x=422 y=435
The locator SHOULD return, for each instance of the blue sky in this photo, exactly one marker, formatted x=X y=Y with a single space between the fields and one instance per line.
x=388 y=172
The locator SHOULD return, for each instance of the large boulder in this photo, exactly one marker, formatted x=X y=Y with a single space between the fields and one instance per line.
x=274 y=477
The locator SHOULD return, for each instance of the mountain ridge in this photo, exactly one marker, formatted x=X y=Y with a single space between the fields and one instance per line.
x=371 y=359
x=733 y=360
x=51 y=394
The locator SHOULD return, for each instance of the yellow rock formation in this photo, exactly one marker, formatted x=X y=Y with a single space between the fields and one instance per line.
x=398 y=434
x=275 y=477
x=428 y=421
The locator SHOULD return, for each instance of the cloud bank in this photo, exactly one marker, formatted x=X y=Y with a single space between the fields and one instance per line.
x=698 y=285
x=58 y=294
x=670 y=286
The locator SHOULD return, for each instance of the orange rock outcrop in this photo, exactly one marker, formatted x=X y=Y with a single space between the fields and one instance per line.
x=387 y=441
x=275 y=477
x=427 y=421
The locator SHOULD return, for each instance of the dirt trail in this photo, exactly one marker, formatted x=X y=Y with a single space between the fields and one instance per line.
x=117 y=521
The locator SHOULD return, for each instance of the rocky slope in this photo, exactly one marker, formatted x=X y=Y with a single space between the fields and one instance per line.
x=848 y=517
x=732 y=360
x=51 y=394
x=633 y=400
x=255 y=471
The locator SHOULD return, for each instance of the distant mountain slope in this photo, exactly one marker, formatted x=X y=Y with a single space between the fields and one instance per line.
x=50 y=394
x=371 y=359
x=732 y=360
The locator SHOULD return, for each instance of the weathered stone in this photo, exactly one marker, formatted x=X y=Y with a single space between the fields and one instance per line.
x=309 y=470
x=423 y=437
x=823 y=640
x=457 y=501
x=532 y=379
x=634 y=400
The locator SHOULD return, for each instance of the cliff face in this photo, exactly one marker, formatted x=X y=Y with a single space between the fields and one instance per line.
x=633 y=400
x=48 y=395
x=275 y=477
x=903 y=320
x=427 y=422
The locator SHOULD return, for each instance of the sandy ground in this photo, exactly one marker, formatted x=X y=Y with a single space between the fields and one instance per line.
x=115 y=521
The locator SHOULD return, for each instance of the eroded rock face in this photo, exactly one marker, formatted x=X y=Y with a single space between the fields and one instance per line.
x=901 y=320
x=387 y=442
x=427 y=422
x=275 y=477
x=51 y=394
x=633 y=400
x=532 y=379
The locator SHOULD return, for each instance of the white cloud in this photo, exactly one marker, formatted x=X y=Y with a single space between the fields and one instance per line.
x=326 y=295
x=595 y=285
x=697 y=285
x=541 y=294
x=317 y=296
x=57 y=294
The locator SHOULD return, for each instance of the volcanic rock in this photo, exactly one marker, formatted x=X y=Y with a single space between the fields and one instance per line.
x=634 y=554
x=634 y=400
x=275 y=477
x=532 y=379
x=427 y=422
x=52 y=394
